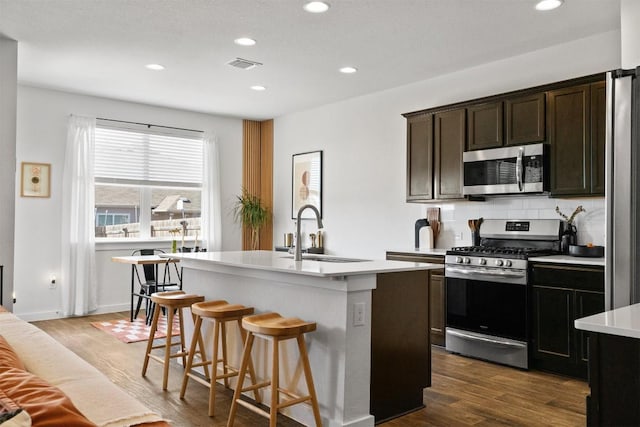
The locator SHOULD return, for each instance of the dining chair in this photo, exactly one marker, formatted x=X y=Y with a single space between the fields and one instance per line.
x=149 y=282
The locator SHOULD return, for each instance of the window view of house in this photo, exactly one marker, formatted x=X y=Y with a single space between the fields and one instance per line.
x=147 y=184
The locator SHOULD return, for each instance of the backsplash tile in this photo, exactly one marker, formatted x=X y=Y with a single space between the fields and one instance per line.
x=454 y=216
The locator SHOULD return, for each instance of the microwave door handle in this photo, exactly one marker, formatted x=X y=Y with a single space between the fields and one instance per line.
x=519 y=169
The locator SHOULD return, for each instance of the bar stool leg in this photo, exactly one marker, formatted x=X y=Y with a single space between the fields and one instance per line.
x=246 y=356
x=183 y=343
x=223 y=328
x=192 y=350
x=167 y=347
x=252 y=372
x=309 y=378
x=275 y=383
x=152 y=334
x=214 y=366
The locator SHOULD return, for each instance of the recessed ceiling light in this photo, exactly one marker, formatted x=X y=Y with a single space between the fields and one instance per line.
x=155 y=67
x=548 y=4
x=348 y=70
x=245 y=41
x=258 y=88
x=316 y=7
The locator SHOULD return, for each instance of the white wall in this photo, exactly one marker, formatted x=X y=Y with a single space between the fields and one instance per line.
x=8 y=89
x=41 y=137
x=630 y=14
x=364 y=140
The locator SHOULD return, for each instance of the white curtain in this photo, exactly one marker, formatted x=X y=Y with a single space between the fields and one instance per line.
x=211 y=221
x=79 y=282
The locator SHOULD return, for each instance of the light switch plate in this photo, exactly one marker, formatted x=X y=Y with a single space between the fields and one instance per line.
x=358 y=314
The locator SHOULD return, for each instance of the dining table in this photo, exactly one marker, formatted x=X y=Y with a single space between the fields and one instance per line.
x=135 y=261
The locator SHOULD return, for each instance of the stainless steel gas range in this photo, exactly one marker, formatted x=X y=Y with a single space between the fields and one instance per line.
x=487 y=290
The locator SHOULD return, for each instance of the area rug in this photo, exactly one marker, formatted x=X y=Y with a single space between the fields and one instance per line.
x=135 y=331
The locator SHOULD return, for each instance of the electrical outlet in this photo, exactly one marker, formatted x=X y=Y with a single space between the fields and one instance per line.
x=358 y=314
x=459 y=235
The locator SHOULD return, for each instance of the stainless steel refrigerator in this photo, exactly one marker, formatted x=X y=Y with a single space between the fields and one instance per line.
x=622 y=247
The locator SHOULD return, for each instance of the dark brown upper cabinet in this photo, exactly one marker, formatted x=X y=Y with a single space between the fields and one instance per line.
x=576 y=120
x=449 y=142
x=525 y=119
x=420 y=158
x=485 y=126
x=598 y=136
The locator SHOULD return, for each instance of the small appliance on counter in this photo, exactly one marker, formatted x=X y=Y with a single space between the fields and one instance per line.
x=423 y=234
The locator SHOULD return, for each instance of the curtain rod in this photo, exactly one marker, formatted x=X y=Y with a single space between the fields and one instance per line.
x=148 y=125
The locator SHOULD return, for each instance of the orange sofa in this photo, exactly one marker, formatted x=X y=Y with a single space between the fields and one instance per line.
x=42 y=383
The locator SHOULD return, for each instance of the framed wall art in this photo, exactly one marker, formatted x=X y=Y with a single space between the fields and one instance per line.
x=36 y=180
x=306 y=186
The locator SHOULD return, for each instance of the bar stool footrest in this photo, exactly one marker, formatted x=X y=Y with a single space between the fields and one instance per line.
x=253 y=408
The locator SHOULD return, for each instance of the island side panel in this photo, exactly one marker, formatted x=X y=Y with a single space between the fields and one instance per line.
x=400 y=344
x=339 y=352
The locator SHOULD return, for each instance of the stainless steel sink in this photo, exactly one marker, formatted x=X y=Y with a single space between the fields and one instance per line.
x=326 y=258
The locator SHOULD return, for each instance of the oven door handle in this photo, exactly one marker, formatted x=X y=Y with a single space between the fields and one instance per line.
x=520 y=169
x=504 y=343
x=484 y=272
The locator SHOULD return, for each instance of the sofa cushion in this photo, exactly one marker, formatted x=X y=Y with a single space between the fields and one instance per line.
x=8 y=356
x=46 y=404
x=12 y=415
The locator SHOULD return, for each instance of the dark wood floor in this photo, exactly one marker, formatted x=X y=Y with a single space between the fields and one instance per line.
x=465 y=392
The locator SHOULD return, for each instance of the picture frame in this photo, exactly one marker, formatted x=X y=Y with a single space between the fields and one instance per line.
x=306 y=183
x=35 y=179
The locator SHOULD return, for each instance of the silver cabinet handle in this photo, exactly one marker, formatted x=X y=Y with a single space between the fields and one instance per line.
x=520 y=169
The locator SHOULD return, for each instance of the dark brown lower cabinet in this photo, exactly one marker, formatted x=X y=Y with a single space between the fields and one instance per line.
x=614 y=379
x=560 y=295
x=436 y=301
x=400 y=349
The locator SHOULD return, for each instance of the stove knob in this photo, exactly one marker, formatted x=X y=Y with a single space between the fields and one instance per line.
x=459 y=260
x=508 y=263
x=499 y=262
x=467 y=260
x=483 y=261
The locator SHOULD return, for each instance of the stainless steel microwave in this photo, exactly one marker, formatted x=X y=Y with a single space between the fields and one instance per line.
x=506 y=170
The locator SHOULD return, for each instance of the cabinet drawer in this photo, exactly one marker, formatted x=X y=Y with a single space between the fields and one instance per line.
x=571 y=277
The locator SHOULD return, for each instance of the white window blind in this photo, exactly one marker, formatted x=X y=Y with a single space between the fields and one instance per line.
x=146 y=157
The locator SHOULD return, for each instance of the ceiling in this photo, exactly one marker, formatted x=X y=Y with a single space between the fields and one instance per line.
x=100 y=47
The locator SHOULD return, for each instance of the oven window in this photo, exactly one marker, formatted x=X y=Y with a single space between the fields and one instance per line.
x=498 y=309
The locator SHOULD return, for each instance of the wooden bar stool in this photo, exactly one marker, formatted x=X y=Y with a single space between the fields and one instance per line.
x=220 y=312
x=276 y=328
x=169 y=301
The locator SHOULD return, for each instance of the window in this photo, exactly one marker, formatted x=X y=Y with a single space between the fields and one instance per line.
x=148 y=181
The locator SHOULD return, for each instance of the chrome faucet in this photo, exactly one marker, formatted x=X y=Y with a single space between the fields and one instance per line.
x=298 y=255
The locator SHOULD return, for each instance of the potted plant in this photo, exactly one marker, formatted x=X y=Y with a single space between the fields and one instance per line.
x=252 y=214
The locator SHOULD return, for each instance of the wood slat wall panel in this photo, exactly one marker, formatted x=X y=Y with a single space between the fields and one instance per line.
x=257 y=173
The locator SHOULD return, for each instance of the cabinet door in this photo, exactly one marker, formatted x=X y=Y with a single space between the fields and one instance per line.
x=586 y=304
x=570 y=138
x=449 y=142
x=598 y=135
x=420 y=158
x=437 y=307
x=525 y=117
x=552 y=319
x=485 y=126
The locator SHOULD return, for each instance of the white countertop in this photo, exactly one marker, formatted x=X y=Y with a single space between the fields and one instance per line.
x=623 y=321
x=283 y=262
x=568 y=259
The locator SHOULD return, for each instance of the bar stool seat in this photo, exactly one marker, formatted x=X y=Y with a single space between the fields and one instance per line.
x=276 y=328
x=171 y=301
x=220 y=312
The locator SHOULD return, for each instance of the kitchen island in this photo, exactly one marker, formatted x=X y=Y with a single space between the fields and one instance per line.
x=340 y=295
x=614 y=366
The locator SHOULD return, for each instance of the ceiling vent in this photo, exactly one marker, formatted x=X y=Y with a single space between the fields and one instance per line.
x=244 y=64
